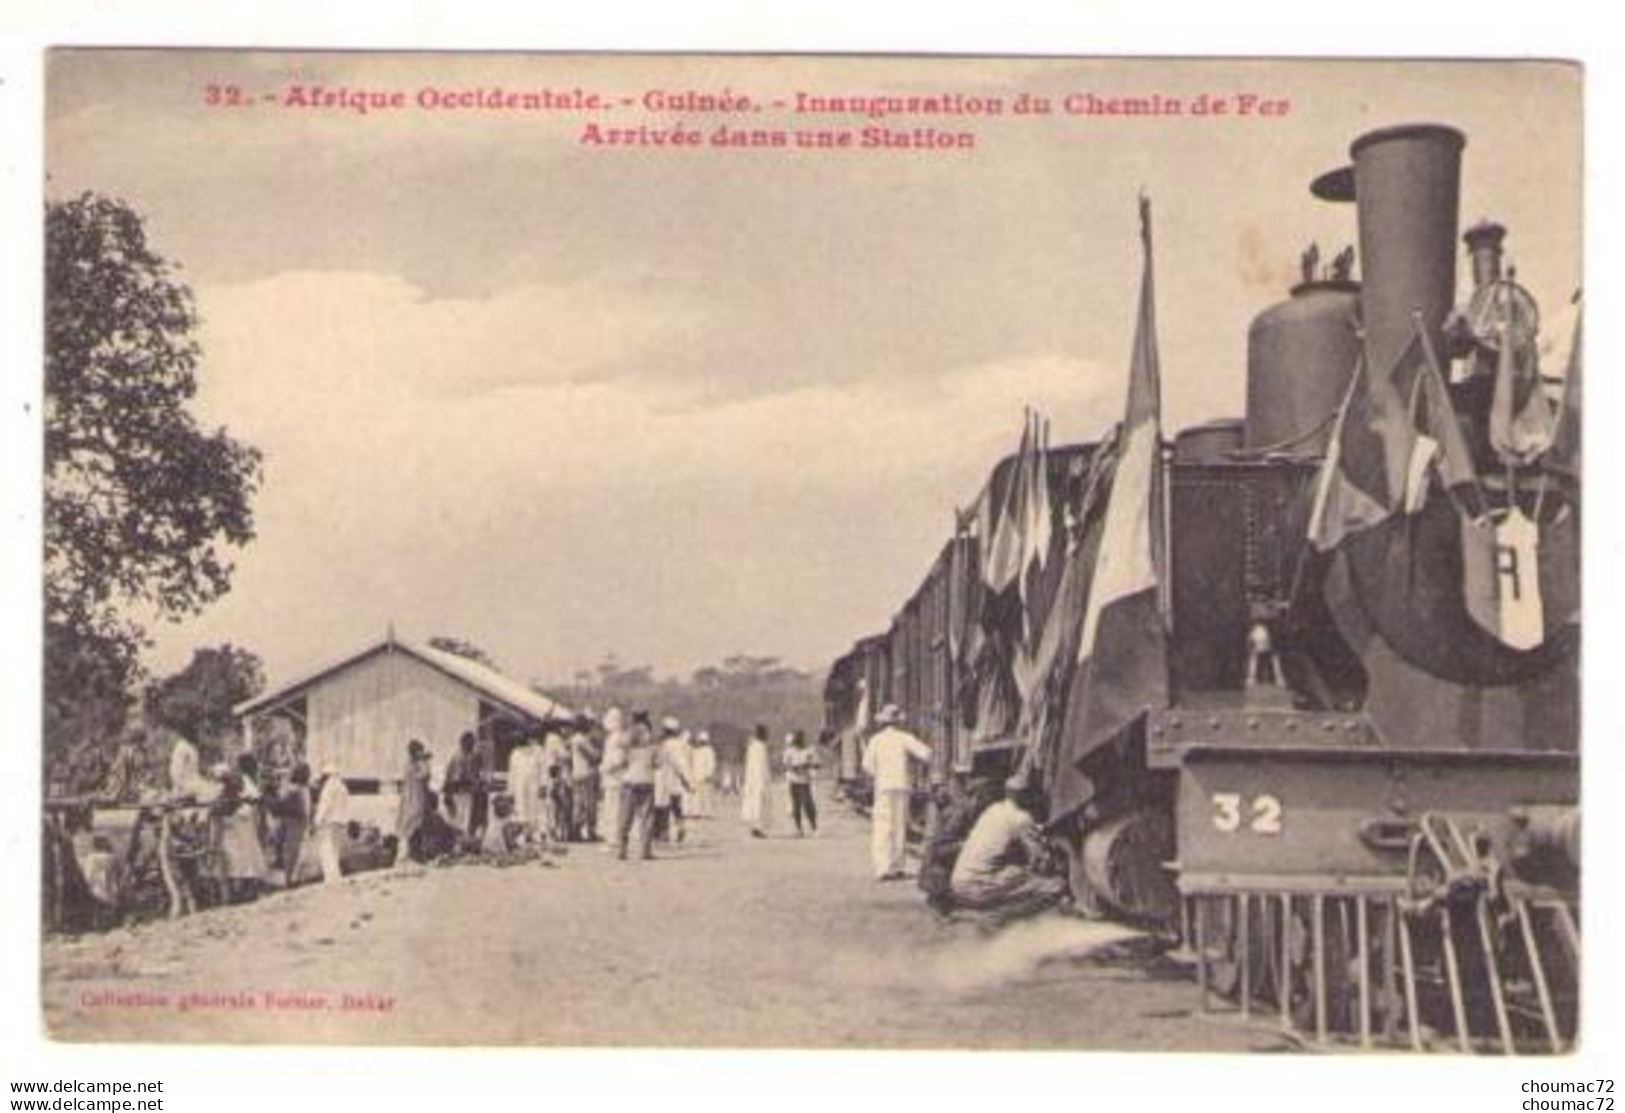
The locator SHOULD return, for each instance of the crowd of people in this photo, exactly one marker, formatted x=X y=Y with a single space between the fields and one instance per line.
x=209 y=836
x=584 y=781
x=242 y=828
x=623 y=781
x=278 y=829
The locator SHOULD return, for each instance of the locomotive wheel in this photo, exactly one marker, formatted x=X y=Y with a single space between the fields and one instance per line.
x=1122 y=863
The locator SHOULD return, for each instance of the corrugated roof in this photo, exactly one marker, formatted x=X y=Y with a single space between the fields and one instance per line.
x=490 y=683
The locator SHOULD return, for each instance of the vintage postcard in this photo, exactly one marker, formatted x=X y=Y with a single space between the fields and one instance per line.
x=812 y=551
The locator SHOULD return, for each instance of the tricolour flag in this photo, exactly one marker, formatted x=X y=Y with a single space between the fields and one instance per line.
x=1371 y=458
x=1039 y=578
x=1122 y=663
x=1438 y=446
x=1382 y=453
x=1006 y=545
x=1037 y=536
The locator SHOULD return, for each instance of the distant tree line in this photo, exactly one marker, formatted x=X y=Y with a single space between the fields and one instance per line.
x=726 y=699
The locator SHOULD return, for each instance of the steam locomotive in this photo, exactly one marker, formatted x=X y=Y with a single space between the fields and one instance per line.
x=1358 y=805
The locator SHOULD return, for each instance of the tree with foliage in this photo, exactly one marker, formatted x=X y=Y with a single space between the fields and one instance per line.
x=141 y=502
x=725 y=699
x=197 y=701
x=462 y=647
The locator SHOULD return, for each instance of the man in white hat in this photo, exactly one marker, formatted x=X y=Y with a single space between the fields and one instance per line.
x=995 y=869
x=673 y=780
x=886 y=759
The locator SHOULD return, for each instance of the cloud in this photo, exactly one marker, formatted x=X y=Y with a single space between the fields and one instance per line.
x=383 y=341
x=340 y=366
x=443 y=464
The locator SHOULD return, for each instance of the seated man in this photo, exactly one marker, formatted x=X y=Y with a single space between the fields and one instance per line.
x=958 y=809
x=435 y=837
x=996 y=871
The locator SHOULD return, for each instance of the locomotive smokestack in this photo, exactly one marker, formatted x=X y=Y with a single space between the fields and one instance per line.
x=1407 y=186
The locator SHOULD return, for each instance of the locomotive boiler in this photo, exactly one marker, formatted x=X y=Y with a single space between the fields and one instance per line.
x=1356 y=802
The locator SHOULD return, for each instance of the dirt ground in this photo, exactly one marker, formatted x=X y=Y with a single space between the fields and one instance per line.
x=725 y=942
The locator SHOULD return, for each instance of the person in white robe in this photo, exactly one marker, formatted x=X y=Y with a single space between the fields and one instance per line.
x=525 y=785
x=243 y=869
x=886 y=759
x=331 y=818
x=705 y=774
x=611 y=769
x=674 y=781
x=756 y=794
x=185 y=776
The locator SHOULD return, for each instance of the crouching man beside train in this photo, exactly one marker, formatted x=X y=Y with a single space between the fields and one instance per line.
x=1006 y=867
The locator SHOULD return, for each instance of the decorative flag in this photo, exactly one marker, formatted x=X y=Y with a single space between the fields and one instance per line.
x=977 y=525
x=1000 y=613
x=1376 y=458
x=1510 y=584
x=959 y=572
x=1005 y=546
x=1037 y=535
x=1438 y=424
x=1521 y=419
x=1565 y=452
x=1439 y=447
x=1423 y=453
x=1343 y=504
x=1500 y=558
x=1038 y=580
x=1055 y=658
x=1122 y=663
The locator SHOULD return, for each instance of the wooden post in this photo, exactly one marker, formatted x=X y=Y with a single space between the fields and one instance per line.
x=53 y=832
x=166 y=867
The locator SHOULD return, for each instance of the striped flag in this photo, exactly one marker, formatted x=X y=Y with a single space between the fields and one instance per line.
x=1122 y=664
x=1037 y=536
x=1383 y=455
x=1006 y=547
x=1348 y=500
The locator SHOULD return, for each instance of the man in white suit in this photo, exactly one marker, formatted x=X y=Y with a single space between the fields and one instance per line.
x=886 y=759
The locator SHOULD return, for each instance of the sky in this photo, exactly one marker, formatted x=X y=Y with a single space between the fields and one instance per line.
x=678 y=404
